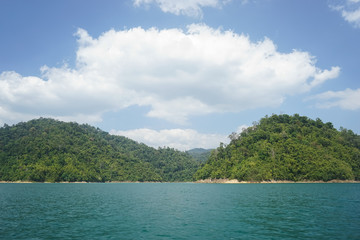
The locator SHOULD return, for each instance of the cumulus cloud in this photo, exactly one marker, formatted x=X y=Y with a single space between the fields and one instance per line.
x=61 y=93
x=191 y=8
x=176 y=73
x=181 y=139
x=348 y=99
x=350 y=11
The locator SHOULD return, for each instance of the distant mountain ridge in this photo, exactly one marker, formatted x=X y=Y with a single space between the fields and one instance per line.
x=201 y=155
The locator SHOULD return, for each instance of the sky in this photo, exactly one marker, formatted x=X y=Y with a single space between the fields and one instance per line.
x=182 y=74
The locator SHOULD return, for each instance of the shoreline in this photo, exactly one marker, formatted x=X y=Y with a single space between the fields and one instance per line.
x=235 y=181
x=211 y=181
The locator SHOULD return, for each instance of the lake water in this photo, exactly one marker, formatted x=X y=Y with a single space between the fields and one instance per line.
x=179 y=211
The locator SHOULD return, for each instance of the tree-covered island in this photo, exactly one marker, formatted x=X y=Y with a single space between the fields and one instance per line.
x=283 y=147
x=280 y=147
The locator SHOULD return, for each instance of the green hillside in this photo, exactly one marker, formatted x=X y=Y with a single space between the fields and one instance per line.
x=280 y=147
x=49 y=150
x=283 y=147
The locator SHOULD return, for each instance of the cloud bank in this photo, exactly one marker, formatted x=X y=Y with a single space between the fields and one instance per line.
x=181 y=139
x=177 y=73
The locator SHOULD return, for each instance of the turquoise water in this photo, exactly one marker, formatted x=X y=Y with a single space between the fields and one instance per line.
x=179 y=211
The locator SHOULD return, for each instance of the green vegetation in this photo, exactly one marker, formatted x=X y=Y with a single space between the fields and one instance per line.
x=53 y=151
x=283 y=147
x=280 y=147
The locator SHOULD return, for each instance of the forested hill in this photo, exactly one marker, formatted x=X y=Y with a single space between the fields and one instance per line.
x=49 y=150
x=280 y=147
x=283 y=147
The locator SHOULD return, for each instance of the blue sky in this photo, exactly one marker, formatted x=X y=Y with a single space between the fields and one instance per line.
x=183 y=73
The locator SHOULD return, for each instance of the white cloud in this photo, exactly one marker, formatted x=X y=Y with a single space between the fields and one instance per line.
x=348 y=99
x=181 y=139
x=191 y=8
x=176 y=73
x=350 y=11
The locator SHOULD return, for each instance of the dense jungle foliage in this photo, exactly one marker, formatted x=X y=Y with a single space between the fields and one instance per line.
x=283 y=147
x=53 y=151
